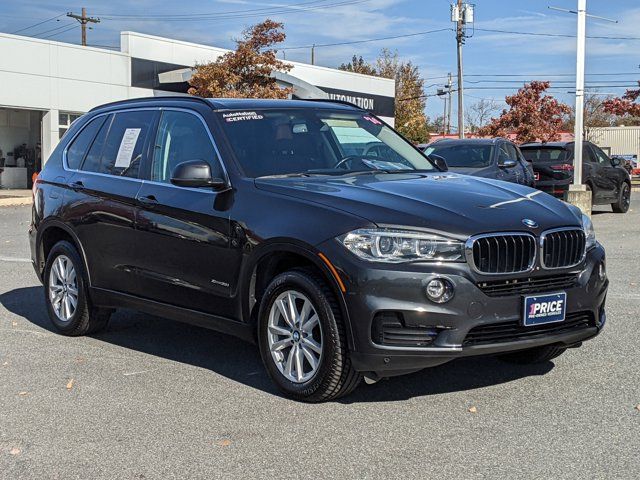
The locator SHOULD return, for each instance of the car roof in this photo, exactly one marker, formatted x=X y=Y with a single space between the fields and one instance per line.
x=228 y=103
x=548 y=145
x=471 y=141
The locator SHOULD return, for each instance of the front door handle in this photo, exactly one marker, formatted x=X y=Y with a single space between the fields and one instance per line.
x=76 y=186
x=148 y=201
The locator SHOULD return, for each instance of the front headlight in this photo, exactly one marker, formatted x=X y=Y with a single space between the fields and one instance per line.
x=395 y=246
x=589 y=232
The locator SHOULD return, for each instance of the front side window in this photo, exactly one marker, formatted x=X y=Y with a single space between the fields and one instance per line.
x=181 y=137
x=81 y=143
x=463 y=155
x=118 y=147
x=600 y=156
x=316 y=142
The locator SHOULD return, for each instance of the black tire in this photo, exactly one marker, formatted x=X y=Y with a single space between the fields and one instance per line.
x=335 y=375
x=624 y=199
x=86 y=319
x=533 y=355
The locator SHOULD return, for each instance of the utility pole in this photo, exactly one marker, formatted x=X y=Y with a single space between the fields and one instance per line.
x=313 y=54
x=460 y=41
x=83 y=19
x=449 y=85
x=461 y=14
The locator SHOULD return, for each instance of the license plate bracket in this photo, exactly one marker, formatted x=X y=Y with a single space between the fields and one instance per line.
x=545 y=308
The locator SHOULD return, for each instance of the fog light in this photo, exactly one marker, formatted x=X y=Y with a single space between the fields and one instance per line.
x=439 y=290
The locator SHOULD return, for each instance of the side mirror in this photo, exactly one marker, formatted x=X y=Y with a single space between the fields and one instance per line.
x=196 y=173
x=439 y=162
x=507 y=163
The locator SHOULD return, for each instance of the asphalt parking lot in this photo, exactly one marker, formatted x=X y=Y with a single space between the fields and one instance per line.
x=150 y=398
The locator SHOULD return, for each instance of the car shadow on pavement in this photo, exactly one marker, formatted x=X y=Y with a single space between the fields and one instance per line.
x=240 y=361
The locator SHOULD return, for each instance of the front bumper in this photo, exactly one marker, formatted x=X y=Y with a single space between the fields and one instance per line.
x=375 y=289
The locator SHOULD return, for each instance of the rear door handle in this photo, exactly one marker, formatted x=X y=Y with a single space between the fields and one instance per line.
x=76 y=186
x=148 y=201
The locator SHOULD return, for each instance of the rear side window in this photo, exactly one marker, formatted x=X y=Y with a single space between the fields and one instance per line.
x=181 y=137
x=118 y=147
x=79 y=146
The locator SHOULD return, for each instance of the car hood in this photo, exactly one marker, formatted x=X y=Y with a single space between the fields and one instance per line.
x=477 y=172
x=458 y=205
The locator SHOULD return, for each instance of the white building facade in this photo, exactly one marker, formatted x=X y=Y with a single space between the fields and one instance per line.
x=45 y=85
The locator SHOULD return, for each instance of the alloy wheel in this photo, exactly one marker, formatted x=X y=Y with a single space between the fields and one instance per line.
x=63 y=288
x=295 y=336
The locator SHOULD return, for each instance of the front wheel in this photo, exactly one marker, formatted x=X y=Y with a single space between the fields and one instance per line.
x=302 y=338
x=533 y=355
x=624 y=199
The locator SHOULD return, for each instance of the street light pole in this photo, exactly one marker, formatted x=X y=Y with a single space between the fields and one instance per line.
x=579 y=121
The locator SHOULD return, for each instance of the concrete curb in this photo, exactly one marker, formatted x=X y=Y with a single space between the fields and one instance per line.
x=15 y=201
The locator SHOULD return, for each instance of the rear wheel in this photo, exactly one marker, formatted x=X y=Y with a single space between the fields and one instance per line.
x=66 y=295
x=624 y=199
x=533 y=355
x=302 y=338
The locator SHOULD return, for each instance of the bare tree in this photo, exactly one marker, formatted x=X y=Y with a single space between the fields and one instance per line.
x=479 y=114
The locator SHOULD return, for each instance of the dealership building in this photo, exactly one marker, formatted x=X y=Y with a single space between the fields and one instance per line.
x=46 y=85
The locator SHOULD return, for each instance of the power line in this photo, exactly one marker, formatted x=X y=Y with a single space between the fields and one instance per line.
x=222 y=16
x=52 y=29
x=564 y=35
x=61 y=32
x=199 y=15
x=365 y=41
x=37 y=24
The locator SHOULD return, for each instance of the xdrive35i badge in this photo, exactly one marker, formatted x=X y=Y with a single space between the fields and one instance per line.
x=530 y=223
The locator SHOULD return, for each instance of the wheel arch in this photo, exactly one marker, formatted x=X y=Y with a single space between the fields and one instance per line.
x=276 y=258
x=51 y=233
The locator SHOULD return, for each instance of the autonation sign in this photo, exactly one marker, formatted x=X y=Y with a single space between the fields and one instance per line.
x=378 y=104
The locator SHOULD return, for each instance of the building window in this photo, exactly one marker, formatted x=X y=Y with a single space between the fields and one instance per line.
x=65 y=119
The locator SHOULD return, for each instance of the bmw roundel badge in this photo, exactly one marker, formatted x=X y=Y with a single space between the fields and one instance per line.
x=530 y=223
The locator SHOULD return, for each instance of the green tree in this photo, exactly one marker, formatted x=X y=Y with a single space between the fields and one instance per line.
x=358 y=65
x=410 y=119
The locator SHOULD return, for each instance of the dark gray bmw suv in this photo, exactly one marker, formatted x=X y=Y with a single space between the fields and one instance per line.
x=313 y=229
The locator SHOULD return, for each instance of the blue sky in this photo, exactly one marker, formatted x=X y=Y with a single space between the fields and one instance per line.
x=335 y=21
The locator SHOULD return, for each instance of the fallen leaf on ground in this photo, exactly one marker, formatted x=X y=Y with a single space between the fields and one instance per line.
x=22 y=394
x=14 y=451
x=224 y=443
x=473 y=410
x=14 y=324
x=638 y=407
x=70 y=384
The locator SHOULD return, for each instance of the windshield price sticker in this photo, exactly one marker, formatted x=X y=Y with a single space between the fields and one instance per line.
x=241 y=116
x=373 y=120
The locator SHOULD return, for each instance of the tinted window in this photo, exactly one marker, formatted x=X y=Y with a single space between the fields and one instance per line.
x=511 y=151
x=181 y=137
x=118 y=148
x=463 y=154
x=78 y=148
x=316 y=142
x=546 y=154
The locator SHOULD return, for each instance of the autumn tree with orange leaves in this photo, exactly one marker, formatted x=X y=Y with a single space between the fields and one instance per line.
x=624 y=106
x=246 y=71
x=532 y=116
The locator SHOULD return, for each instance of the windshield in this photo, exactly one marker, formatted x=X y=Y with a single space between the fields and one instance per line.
x=316 y=142
x=463 y=155
x=546 y=154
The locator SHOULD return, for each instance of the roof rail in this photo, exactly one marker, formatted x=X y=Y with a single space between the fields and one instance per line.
x=330 y=100
x=152 y=99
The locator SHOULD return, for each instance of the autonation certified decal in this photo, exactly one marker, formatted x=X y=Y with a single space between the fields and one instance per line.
x=241 y=116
